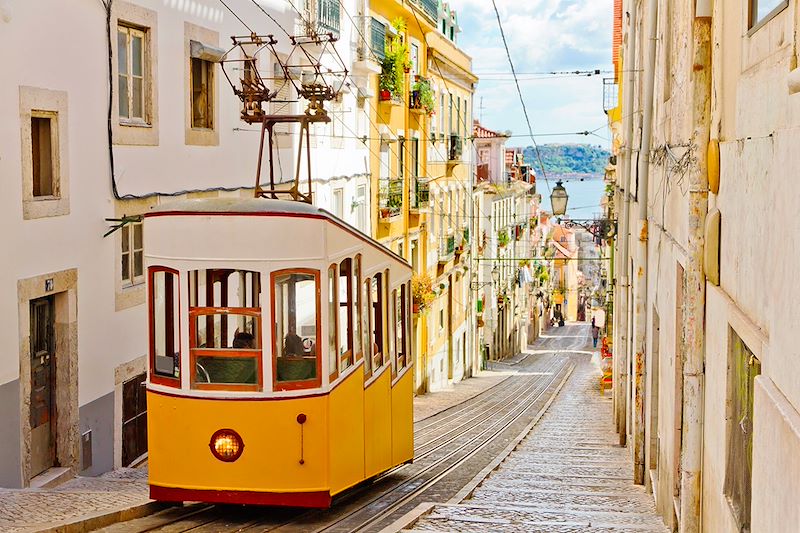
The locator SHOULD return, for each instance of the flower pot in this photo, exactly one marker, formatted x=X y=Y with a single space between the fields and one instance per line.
x=385 y=95
x=415 y=307
x=406 y=69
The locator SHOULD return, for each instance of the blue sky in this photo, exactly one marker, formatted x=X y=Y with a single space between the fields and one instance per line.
x=543 y=36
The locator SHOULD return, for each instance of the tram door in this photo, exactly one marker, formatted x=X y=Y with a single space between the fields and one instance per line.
x=42 y=410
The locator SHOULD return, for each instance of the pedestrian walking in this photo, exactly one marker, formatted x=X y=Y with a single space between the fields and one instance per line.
x=595 y=335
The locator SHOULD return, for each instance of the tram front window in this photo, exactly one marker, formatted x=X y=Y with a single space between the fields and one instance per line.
x=225 y=329
x=295 y=317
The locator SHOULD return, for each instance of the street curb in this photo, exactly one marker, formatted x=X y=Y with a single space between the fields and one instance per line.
x=104 y=518
x=470 y=487
x=408 y=520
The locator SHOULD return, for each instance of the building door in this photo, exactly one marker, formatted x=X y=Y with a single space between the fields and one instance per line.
x=134 y=420
x=43 y=379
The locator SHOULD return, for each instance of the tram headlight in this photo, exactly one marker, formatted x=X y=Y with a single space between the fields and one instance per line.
x=226 y=445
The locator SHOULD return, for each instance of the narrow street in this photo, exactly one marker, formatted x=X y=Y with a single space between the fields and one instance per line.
x=568 y=475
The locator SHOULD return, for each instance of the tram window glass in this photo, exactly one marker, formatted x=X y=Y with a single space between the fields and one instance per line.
x=164 y=326
x=333 y=318
x=226 y=348
x=388 y=351
x=345 y=319
x=392 y=331
x=358 y=331
x=296 y=318
x=223 y=287
x=409 y=346
x=376 y=298
x=365 y=318
x=400 y=317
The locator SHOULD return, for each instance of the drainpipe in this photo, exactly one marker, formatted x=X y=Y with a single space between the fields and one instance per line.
x=694 y=302
x=620 y=345
x=640 y=278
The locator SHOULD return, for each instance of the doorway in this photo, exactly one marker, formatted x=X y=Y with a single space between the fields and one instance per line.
x=134 y=420
x=43 y=382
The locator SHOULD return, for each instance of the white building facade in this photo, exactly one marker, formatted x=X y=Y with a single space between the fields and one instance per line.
x=82 y=144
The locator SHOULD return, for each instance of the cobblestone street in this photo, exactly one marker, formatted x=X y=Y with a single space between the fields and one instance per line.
x=568 y=475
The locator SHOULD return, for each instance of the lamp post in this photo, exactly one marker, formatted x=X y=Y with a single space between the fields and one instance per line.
x=558 y=199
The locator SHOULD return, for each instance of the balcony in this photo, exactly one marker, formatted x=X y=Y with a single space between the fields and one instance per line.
x=390 y=199
x=455 y=149
x=447 y=248
x=320 y=17
x=420 y=195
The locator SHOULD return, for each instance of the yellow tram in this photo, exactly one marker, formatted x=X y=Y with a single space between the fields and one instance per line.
x=280 y=350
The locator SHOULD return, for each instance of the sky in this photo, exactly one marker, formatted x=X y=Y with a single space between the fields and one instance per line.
x=543 y=36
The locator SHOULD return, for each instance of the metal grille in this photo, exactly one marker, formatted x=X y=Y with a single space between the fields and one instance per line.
x=328 y=16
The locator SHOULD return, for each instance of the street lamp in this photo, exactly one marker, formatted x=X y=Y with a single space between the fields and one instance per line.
x=475 y=286
x=495 y=275
x=558 y=199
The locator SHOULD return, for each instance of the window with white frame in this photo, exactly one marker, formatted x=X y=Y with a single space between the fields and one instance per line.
x=132 y=256
x=338 y=202
x=361 y=207
x=131 y=62
x=763 y=10
x=414 y=59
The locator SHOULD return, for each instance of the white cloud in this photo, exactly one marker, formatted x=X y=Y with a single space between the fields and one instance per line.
x=543 y=36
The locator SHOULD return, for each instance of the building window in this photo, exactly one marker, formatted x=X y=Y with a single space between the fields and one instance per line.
x=132 y=258
x=763 y=10
x=202 y=94
x=43 y=143
x=743 y=367
x=361 y=207
x=414 y=59
x=131 y=57
x=338 y=203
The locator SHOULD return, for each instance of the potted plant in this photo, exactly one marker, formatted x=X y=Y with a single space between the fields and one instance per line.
x=422 y=294
x=422 y=95
x=502 y=238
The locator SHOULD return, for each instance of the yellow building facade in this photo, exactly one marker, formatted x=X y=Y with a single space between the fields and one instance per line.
x=421 y=171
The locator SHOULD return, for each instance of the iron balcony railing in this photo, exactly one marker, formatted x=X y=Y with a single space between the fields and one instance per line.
x=390 y=198
x=377 y=33
x=420 y=198
x=447 y=247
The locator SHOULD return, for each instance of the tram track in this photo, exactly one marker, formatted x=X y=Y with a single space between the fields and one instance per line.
x=462 y=437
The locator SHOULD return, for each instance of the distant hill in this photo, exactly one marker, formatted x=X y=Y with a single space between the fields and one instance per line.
x=569 y=158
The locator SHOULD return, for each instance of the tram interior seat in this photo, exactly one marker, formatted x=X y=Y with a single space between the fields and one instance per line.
x=296 y=367
x=224 y=370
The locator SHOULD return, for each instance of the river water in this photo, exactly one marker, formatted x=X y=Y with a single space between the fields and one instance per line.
x=584 y=195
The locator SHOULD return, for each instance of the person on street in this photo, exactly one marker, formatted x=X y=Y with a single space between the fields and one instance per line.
x=595 y=335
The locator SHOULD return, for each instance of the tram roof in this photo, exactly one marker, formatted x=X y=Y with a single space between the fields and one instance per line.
x=240 y=205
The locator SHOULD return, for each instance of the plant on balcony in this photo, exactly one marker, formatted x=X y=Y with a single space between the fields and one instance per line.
x=502 y=238
x=422 y=96
x=395 y=63
x=422 y=294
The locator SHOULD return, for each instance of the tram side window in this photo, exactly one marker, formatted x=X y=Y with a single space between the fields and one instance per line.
x=392 y=318
x=164 y=326
x=388 y=353
x=376 y=299
x=400 y=329
x=365 y=324
x=225 y=329
x=333 y=319
x=409 y=344
x=295 y=318
x=346 y=310
x=358 y=331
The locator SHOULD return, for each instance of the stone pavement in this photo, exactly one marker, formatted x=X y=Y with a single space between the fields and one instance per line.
x=78 y=499
x=125 y=491
x=568 y=475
